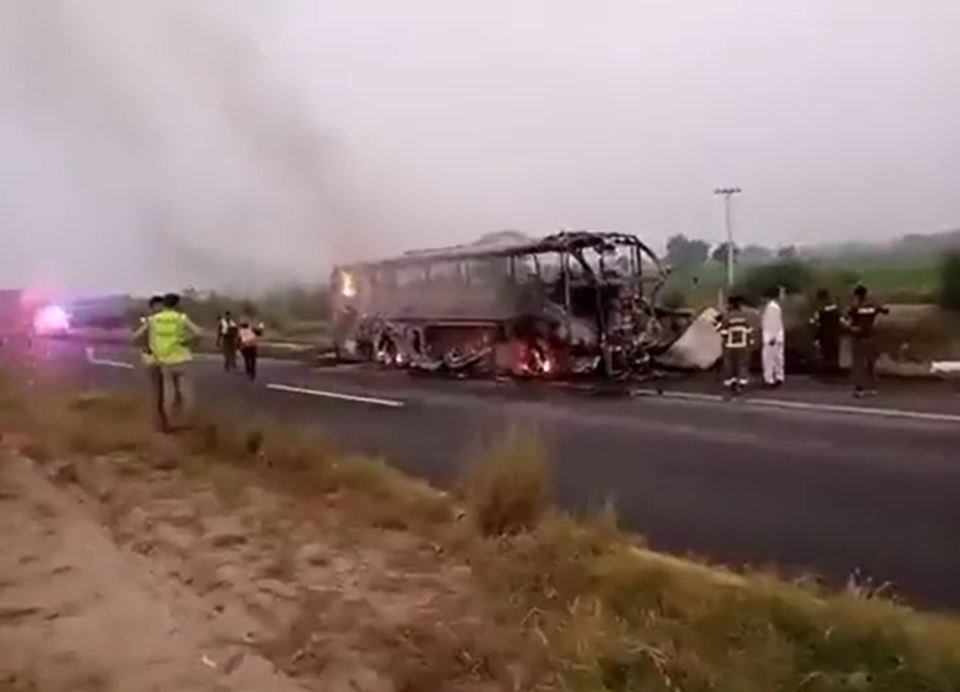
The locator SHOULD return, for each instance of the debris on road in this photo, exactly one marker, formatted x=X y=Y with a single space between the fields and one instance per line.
x=698 y=348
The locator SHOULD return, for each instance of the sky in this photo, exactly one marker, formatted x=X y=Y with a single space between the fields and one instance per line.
x=146 y=145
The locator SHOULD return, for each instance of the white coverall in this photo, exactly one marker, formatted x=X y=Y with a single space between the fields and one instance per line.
x=773 y=343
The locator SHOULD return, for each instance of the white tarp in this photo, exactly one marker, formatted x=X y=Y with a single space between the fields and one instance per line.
x=699 y=347
x=945 y=367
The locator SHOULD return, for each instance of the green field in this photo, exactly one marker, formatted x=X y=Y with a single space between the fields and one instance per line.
x=908 y=279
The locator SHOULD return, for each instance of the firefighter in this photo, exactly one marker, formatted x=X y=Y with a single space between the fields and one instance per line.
x=773 y=340
x=861 y=321
x=169 y=333
x=227 y=340
x=737 y=338
x=826 y=333
x=249 y=337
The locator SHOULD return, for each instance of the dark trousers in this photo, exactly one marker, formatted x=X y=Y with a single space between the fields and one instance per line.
x=829 y=357
x=229 y=355
x=170 y=395
x=864 y=364
x=155 y=378
x=249 y=354
x=736 y=365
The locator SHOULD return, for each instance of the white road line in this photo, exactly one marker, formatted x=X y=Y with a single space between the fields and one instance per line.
x=213 y=357
x=91 y=358
x=858 y=410
x=809 y=406
x=686 y=396
x=390 y=403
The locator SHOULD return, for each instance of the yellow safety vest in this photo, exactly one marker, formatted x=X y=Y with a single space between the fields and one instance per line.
x=167 y=336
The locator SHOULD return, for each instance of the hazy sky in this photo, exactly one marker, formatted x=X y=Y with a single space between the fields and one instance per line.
x=155 y=143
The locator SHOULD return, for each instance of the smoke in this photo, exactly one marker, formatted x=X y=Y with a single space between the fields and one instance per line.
x=149 y=144
x=154 y=147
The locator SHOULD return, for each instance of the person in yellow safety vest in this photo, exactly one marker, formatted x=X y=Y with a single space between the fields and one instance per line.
x=169 y=335
x=736 y=334
x=146 y=355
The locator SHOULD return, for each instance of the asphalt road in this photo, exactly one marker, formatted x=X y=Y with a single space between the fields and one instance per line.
x=805 y=479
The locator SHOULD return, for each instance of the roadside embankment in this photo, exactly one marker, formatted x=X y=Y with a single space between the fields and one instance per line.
x=271 y=557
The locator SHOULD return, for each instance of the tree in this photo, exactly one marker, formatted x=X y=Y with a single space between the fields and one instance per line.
x=683 y=253
x=787 y=252
x=793 y=275
x=755 y=254
x=719 y=253
x=950 y=281
x=674 y=299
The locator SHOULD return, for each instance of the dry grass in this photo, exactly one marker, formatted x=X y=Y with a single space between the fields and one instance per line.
x=17 y=683
x=507 y=490
x=615 y=616
x=608 y=613
x=306 y=463
x=62 y=420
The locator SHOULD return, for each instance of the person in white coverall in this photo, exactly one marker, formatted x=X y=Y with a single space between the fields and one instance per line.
x=771 y=323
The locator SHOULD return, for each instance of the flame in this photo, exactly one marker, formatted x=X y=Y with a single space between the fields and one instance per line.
x=348 y=288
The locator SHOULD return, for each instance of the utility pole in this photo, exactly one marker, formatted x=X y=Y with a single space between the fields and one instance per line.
x=727 y=193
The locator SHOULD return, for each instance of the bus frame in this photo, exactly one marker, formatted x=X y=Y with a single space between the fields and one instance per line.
x=493 y=308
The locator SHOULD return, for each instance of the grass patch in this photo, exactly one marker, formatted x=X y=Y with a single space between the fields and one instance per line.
x=17 y=683
x=614 y=616
x=388 y=498
x=508 y=489
x=304 y=461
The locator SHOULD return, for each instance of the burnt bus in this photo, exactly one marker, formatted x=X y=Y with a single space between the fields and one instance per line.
x=572 y=303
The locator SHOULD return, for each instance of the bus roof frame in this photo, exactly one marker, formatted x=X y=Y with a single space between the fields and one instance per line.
x=564 y=241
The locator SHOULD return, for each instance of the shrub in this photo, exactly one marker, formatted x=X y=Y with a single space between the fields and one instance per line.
x=508 y=489
x=950 y=282
x=839 y=281
x=794 y=275
x=674 y=299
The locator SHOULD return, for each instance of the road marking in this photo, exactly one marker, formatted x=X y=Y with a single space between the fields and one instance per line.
x=91 y=358
x=808 y=406
x=858 y=410
x=218 y=358
x=685 y=396
x=390 y=403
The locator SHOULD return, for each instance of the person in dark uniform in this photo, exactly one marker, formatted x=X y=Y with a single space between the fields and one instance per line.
x=826 y=333
x=861 y=321
x=737 y=337
x=228 y=339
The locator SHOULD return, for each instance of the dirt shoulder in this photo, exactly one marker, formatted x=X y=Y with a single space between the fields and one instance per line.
x=79 y=612
x=115 y=578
